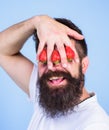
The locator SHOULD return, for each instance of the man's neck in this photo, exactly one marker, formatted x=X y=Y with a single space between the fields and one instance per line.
x=85 y=95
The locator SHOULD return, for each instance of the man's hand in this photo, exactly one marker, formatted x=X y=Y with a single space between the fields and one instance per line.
x=51 y=33
x=12 y=39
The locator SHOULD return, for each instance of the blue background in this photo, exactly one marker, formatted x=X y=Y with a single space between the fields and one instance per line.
x=92 y=16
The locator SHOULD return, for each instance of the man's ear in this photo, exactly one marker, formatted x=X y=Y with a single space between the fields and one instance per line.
x=85 y=63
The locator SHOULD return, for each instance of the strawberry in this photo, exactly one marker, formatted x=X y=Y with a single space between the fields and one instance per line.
x=43 y=56
x=55 y=57
x=70 y=53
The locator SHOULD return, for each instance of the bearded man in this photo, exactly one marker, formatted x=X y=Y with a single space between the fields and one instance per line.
x=61 y=99
x=58 y=92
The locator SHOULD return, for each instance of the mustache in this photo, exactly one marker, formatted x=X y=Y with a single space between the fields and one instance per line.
x=56 y=73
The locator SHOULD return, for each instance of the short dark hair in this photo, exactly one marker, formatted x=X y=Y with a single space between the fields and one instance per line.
x=81 y=45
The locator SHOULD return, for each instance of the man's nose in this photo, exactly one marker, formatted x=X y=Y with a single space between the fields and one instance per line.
x=55 y=67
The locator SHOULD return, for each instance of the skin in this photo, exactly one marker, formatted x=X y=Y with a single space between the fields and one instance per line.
x=73 y=69
x=17 y=66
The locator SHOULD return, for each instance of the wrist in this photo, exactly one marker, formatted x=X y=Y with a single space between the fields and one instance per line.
x=37 y=20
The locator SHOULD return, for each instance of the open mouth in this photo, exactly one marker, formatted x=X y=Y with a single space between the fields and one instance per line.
x=56 y=81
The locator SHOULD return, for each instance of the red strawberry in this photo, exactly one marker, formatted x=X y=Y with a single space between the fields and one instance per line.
x=43 y=56
x=55 y=57
x=70 y=53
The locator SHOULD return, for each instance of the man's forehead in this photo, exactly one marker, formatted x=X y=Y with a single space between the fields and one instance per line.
x=73 y=41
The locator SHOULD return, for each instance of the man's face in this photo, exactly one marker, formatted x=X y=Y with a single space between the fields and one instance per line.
x=60 y=88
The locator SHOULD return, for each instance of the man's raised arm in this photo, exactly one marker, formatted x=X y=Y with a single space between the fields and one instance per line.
x=12 y=40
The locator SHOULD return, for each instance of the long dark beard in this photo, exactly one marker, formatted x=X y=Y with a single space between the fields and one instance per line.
x=60 y=101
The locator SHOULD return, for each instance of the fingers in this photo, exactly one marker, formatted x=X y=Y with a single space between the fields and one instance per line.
x=62 y=53
x=50 y=48
x=71 y=44
x=74 y=34
x=40 y=48
x=60 y=44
